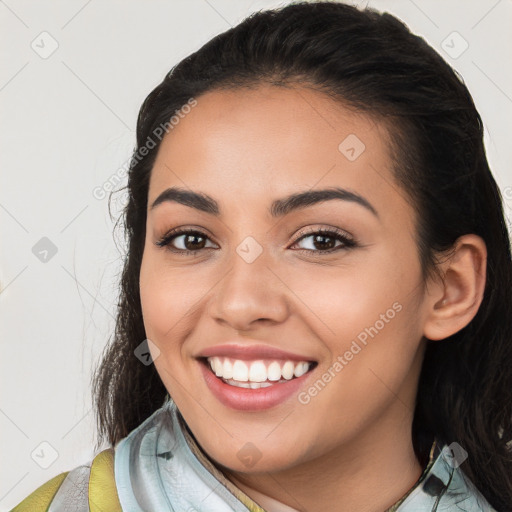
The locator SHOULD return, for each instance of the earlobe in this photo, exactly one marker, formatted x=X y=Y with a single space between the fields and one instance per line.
x=458 y=296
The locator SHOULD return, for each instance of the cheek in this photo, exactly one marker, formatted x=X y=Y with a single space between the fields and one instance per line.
x=170 y=301
x=375 y=354
x=374 y=323
x=161 y=304
x=349 y=300
x=163 y=311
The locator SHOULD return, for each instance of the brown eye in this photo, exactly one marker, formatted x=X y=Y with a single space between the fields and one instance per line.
x=188 y=241
x=324 y=241
x=191 y=241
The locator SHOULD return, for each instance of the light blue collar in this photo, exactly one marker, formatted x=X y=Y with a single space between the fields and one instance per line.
x=155 y=469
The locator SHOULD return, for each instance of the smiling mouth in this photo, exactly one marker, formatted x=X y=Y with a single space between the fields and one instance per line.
x=258 y=373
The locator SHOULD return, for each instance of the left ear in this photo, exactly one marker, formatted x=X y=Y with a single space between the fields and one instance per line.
x=454 y=301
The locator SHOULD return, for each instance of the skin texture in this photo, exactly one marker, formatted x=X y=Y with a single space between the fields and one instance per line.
x=350 y=447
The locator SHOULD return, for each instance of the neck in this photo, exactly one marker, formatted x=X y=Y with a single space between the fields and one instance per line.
x=370 y=473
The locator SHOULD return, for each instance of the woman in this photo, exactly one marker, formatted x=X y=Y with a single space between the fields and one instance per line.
x=316 y=302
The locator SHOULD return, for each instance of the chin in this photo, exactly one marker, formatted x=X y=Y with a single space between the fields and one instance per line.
x=262 y=463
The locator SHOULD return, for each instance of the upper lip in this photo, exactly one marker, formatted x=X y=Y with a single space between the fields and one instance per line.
x=251 y=352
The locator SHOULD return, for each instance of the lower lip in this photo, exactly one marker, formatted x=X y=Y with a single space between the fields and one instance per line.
x=245 y=399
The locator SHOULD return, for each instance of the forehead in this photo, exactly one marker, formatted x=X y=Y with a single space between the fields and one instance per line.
x=256 y=144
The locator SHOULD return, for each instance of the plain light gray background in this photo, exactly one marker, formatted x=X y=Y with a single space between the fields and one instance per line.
x=68 y=121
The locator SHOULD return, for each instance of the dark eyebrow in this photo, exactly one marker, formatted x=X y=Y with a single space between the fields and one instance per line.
x=284 y=206
x=202 y=202
x=279 y=208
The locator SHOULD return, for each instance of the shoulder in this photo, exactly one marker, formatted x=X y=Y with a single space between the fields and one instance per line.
x=445 y=486
x=90 y=487
x=87 y=487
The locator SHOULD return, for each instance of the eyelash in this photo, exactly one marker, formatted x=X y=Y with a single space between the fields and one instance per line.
x=347 y=241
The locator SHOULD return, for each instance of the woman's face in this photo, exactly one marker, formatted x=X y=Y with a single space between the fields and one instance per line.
x=264 y=277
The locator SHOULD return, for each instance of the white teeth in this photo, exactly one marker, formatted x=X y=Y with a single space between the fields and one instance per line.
x=217 y=366
x=227 y=369
x=301 y=369
x=257 y=372
x=245 y=373
x=287 y=370
x=251 y=385
x=257 y=385
x=240 y=371
x=274 y=371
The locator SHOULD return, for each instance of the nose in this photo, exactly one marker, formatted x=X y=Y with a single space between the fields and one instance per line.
x=250 y=293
